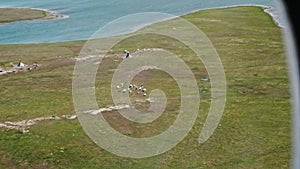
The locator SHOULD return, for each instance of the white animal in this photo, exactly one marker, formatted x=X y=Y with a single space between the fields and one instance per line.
x=141 y=88
x=130 y=86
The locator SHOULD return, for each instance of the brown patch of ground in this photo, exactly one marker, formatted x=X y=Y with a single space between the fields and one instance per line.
x=6 y=161
x=118 y=122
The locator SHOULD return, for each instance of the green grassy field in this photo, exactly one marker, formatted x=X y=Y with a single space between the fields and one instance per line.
x=19 y=14
x=254 y=131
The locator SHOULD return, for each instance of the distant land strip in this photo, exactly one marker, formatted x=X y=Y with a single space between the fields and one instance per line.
x=8 y=15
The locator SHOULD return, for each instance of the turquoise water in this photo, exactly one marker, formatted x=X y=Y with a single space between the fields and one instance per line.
x=84 y=17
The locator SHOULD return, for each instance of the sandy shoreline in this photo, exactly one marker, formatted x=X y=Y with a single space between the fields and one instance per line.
x=55 y=14
x=274 y=14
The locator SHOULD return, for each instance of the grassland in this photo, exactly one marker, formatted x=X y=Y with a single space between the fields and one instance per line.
x=254 y=131
x=19 y=14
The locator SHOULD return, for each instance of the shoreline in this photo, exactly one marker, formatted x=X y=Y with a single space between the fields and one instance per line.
x=274 y=14
x=270 y=10
x=56 y=14
x=49 y=14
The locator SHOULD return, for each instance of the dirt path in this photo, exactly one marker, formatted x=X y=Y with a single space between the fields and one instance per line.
x=24 y=125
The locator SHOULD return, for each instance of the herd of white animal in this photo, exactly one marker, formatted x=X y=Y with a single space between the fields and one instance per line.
x=131 y=88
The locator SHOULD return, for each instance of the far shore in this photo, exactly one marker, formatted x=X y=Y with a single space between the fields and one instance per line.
x=270 y=10
x=9 y=15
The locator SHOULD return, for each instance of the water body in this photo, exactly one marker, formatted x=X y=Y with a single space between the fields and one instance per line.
x=87 y=16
